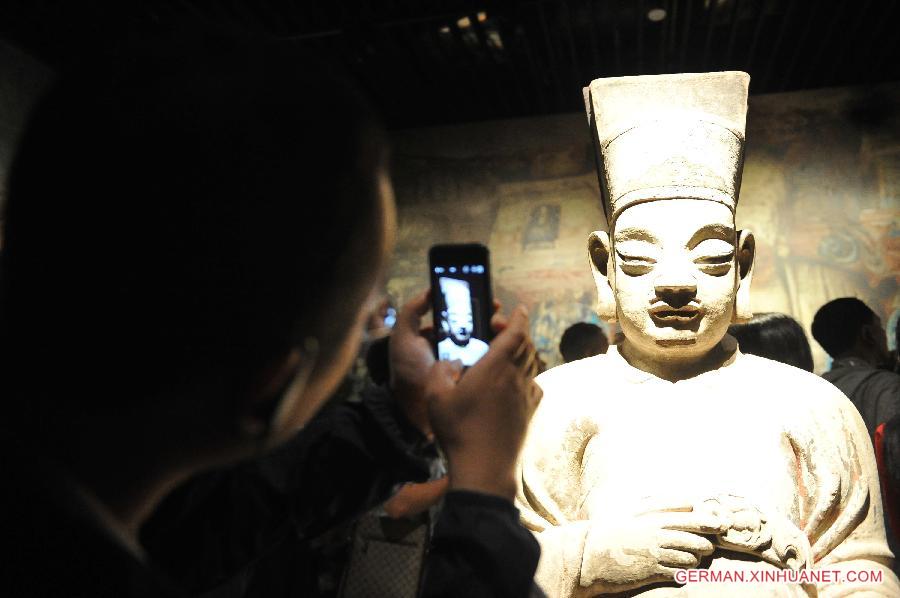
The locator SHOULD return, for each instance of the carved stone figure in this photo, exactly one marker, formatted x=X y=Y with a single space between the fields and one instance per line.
x=674 y=451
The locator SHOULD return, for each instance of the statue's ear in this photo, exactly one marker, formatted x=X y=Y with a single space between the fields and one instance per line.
x=746 y=252
x=604 y=274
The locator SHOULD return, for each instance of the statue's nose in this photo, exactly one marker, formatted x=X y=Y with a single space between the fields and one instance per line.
x=676 y=290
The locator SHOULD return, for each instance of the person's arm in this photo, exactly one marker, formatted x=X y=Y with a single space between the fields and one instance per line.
x=344 y=462
x=480 y=550
x=415 y=498
x=350 y=461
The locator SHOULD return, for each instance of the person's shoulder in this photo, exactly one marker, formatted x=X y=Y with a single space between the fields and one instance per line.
x=570 y=391
x=886 y=379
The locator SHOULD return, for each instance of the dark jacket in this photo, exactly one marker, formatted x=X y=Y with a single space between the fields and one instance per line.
x=874 y=392
x=252 y=530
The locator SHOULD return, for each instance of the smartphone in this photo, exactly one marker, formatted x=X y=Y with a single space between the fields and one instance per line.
x=462 y=303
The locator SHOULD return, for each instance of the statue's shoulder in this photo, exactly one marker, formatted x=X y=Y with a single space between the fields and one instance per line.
x=572 y=391
x=575 y=377
x=781 y=381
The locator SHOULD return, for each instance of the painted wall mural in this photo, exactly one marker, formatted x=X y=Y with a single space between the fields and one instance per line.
x=821 y=191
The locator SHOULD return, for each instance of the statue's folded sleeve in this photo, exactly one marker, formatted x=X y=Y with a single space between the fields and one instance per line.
x=840 y=506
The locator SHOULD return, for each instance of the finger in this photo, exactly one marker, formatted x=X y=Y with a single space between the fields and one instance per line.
x=664 y=573
x=411 y=313
x=427 y=332
x=535 y=394
x=498 y=323
x=677 y=558
x=523 y=353
x=509 y=342
x=697 y=523
x=534 y=368
x=443 y=376
x=678 y=540
x=528 y=363
x=654 y=504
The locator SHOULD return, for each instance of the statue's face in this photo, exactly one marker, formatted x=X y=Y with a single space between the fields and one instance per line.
x=675 y=275
x=461 y=325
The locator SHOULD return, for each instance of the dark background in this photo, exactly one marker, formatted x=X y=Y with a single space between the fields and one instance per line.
x=429 y=62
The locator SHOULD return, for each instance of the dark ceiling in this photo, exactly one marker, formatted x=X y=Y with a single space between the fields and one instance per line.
x=445 y=61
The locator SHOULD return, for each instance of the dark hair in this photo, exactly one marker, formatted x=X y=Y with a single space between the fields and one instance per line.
x=582 y=340
x=774 y=336
x=838 y=323
x=188 y=215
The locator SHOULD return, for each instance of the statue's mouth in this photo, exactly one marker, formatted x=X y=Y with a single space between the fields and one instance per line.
x=665 y=314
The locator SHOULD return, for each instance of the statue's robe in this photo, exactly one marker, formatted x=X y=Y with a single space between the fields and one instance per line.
x=607 y=435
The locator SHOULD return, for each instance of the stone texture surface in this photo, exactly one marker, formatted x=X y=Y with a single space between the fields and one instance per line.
x=661 y=137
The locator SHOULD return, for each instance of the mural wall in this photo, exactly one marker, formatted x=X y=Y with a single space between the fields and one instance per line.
x=821 y=191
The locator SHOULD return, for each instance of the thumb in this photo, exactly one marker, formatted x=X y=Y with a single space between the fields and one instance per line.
x=443 y=376
x=411 y=313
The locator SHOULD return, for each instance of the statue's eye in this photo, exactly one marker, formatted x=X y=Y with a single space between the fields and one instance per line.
x=715 y=265
x=635 y=265
x=714 y=256
x=636 y=259
x=723 y=258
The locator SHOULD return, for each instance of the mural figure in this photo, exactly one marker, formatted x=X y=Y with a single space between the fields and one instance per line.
x=542 y=229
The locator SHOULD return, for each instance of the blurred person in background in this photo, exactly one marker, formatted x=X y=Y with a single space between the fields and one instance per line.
x=774 y=336
x=581 y=340
x=852 y=334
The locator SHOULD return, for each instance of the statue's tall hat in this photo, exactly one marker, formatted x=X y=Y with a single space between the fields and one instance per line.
x=668 y=136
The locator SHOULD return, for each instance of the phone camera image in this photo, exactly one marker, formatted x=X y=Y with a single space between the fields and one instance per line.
x=461 y=302
x=458 y=323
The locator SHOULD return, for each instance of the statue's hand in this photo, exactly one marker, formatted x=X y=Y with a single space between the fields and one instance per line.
x=771 y=536
x=647 y=547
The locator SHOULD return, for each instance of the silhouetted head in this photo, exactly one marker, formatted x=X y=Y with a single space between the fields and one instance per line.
x=581 y=340
x=192 y=231
x=848 y=327
x=774 y=336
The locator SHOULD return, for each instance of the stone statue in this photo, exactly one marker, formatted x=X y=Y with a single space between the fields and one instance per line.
x=674 y=452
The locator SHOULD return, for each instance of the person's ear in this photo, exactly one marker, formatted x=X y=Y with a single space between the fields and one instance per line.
x=275 y=405
x=873 y=335
x=746 y=253
x=600 y=254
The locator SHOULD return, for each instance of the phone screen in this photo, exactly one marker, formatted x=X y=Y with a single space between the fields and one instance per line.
x=461 y=301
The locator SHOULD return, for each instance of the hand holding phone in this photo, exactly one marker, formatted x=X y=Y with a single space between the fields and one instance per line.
x=480 y=419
